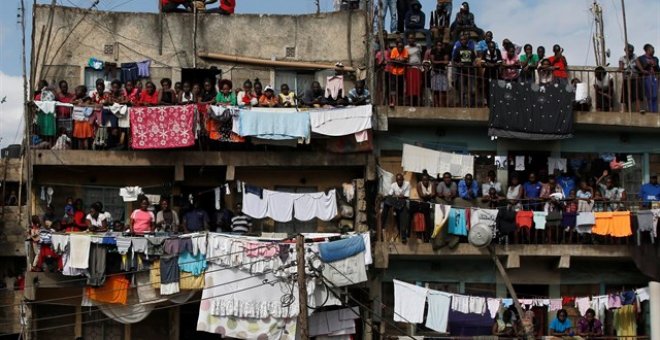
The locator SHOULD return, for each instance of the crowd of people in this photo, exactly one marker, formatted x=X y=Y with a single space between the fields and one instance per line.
x=558 y=193
x=153 y=218
x=509 y=325
x=474 y=58
x=81 y=133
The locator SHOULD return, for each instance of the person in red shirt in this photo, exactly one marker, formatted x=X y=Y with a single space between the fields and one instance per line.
x=226 y=7
x=132 y=93
x=559 y=64
x=149 y=97
x=172 y=6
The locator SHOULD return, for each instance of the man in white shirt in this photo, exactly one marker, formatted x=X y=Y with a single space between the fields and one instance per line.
x=397 y=199
x=491 y=182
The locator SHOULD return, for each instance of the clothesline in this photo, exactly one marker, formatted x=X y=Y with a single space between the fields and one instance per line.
x=410 y=301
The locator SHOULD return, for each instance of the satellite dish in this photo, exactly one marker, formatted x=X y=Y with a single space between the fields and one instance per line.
x=480 y=235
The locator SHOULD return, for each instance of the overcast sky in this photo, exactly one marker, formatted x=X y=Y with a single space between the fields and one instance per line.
x=566 y=22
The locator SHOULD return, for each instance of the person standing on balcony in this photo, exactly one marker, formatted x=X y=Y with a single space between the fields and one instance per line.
x=631 y=87
x=514 y=193
x=510 y=64
x=491 y=182
x=359 y=95
x=402 y=7
x=186 y=96
x=464 y=62
x=166 y=95
x=528 y=62
x=561 y=326
x=415 y=21
x=604 y=88
x=247 y=97
x=96 y=221
x=492 y=62
x=589 y=326
x=268 y=99
x=446 y=189
x=167 y=220
x=396 y=199
x=287 y=98
x=149 y=97
x=142 y=220
x=314 y=96
x=545 y=73
x=414 y=71
x=559 y=65
x=611 y=192
x=132 y=93
x=650 y=192
x=226 y=96
x=439 y=81
x=647 y=63
x=399 y=59
x=240 y=223
x=208 y=92
x=532 y=192
x=482 y=45
x=226 y=7
x=468 y=191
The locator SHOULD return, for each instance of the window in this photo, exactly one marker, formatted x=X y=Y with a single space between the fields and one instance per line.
x=298 y=81
x=90 y=78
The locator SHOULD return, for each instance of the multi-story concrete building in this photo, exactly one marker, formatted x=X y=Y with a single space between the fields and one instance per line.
x=298 y=50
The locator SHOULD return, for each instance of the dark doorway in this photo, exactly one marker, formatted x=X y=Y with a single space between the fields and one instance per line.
x=188 y=324
x=198 y=75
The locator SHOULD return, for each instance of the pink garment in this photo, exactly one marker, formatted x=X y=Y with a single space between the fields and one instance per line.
x=614 y=301
x=163 y=127
x=253 y=249
x=142 y=221
x=583 y=303
x=333 y=85
x=362 y=136
x=509 y=73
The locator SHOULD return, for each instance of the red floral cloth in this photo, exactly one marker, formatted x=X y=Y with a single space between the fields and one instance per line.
x=162 y=127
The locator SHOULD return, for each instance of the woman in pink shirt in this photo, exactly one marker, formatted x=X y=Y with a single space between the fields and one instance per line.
x=142 y=220
x=510 y=64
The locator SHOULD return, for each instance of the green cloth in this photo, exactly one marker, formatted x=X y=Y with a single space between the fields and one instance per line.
x=46 y=123
x=533 y=61
x=222 y=99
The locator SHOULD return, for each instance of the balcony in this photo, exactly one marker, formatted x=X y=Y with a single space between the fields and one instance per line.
x=456 y=106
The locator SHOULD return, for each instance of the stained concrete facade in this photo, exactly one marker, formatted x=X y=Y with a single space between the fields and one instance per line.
x=78 y=35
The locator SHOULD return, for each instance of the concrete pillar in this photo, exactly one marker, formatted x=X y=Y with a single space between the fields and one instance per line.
x=646 y=167
x=554 y=292
x=654 y=294
x=500 y=290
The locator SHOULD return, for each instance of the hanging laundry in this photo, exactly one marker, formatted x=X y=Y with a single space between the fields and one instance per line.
x=143 y=68
x=647 y=221
x=409 y=301
x=438 y=312
x=274 y=125
x=255 y=202
x=115 y=290
x=385 y=180
x=163 y=127
x=477 y=305
x=583 y=303
x=485 y=216
x=457 y=222
x=585 y=222
x=95 y=64
x=315 y=205
x=520 y=163
x=341 y=121
x=440 y=217
x=540 y=220
x=556 y=164
x=346 y=272
x=642 y=294
x=417 y=159
x=79 y=247
x=613 y=301
x=169 y=275
x=460 y=303
x=129 y=72
x=493 y=306
x=339 y=250
x=555 y=305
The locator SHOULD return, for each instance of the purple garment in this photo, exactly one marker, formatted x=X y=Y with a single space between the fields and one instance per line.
x=584 y=327
x=569 y=219
x=469 y=324
x=143 y=68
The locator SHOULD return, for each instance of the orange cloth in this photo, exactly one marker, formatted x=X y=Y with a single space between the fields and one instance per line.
x=114 y=290
x=265 y=102
x=603 y=222
x=82 y=129
x=620 y=226
x=524 y=219
x=399 y=69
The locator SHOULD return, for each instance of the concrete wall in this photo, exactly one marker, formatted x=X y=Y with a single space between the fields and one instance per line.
x=327 y=37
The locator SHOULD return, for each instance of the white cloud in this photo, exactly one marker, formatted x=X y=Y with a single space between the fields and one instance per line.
x=11 y=111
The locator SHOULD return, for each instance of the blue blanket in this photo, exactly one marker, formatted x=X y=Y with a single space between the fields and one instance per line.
x=274 y=125
x=339 y=250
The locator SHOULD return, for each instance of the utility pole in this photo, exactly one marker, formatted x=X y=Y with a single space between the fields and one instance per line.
x=625 y=28
x=599 y=35
x=507 y=281
x=302 y=288
x=318 y=6
x=26 y=122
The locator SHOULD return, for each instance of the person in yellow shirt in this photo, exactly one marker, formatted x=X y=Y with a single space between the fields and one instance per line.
x=286 y=98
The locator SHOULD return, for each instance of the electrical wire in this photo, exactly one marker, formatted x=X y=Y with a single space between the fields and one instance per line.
x=147 y=270
x=265 y=282
x=149 y=284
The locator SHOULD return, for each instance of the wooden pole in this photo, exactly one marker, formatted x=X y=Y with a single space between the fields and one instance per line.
x=269 y=63
x=507 y=280
x=26 y=117
x=302 y=288
x=195 y=18
x=628 y=100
